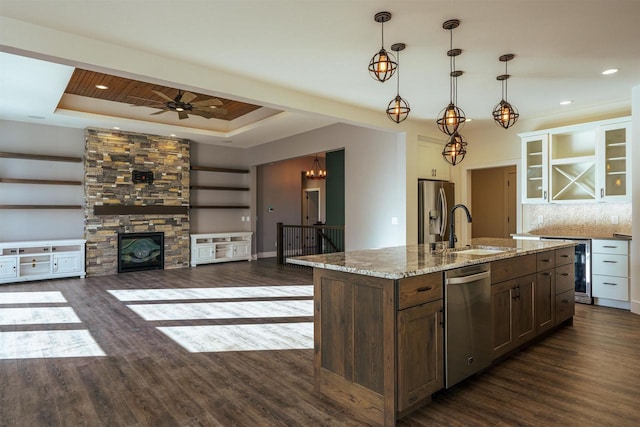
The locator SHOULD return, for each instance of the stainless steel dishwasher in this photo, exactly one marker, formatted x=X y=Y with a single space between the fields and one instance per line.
x=467 y=322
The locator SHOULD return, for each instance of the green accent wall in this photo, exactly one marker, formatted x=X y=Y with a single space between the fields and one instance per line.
x=335 y=187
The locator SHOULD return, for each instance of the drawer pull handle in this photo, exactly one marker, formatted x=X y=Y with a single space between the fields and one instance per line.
x=546 y=260
x=424 y=289
x=609 y=247
x=564 y=256
x=546 y=274
x=607 y=283
x=564 y=274
x=610 y=262
x=565 y=301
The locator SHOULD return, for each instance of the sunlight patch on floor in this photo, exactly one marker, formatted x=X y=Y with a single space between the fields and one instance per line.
x=212 y=293
x=37 y=315
x=31 y=297
x=48 y=344
x=224 y=310
x=219 y=338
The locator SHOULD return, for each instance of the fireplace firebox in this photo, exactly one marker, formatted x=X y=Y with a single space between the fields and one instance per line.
x=140 y=251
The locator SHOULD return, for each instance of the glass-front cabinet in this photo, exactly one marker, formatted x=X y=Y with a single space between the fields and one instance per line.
x=535 y=153
x=581 y=163
x=613 y=162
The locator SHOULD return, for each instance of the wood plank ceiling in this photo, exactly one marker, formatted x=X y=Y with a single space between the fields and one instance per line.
x=135 y=92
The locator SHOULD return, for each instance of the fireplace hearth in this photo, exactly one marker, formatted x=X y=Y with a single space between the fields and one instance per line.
x=140 y=251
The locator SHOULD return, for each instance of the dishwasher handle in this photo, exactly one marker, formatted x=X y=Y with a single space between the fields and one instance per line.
x=467 y=279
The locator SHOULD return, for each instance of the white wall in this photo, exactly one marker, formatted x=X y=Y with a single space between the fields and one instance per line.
x=41 y=224
x=635 y=208
x=375 y=178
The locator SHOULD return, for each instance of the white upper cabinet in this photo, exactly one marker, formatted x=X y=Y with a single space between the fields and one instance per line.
x=535 y=155
x=431 y=164
x=614 y=158
x=581 y=163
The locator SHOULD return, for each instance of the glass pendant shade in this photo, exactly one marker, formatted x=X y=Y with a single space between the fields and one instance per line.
x=455 y=150
x=383 y=65
x=316 y=172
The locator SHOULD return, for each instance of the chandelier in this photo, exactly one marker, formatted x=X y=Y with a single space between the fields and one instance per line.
x=316 y=172
x=505 y=114
x=382 y=65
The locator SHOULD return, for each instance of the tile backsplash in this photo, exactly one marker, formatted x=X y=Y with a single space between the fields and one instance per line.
x=589 y=219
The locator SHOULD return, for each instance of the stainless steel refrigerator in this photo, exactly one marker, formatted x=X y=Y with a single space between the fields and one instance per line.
x=435 y=200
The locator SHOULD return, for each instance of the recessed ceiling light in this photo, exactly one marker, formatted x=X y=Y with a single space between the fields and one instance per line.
x=610 y=71
x=102 y=87
x=116 y=128
x=172 y=135
x=565 y=102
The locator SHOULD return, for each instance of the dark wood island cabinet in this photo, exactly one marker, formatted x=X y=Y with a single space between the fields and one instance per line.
x=379 y=333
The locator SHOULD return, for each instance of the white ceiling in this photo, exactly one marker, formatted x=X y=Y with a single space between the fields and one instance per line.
x=322 y=49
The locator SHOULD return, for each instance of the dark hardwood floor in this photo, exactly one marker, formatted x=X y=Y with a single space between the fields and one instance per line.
x=587 y=374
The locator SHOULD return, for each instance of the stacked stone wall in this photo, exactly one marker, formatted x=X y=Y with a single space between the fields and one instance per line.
x=110 y=159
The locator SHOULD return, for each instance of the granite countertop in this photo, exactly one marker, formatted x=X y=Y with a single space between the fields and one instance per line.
x=414 y=260
x=614 y=236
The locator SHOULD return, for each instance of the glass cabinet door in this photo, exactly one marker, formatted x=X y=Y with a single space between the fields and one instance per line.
x=614 y=159
x=535 y=154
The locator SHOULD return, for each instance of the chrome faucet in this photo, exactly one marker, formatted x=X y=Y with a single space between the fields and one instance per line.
x=452 y=227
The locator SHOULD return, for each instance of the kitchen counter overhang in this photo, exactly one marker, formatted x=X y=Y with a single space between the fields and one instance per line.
x=398 y=262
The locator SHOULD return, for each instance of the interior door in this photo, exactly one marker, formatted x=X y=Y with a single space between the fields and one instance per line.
x=493 y=202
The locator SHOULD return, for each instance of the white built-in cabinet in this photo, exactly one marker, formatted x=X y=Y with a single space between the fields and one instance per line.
x=38 y=260
x=580 y=163
x=431 y=164
x=610 y=272
x=220 y=247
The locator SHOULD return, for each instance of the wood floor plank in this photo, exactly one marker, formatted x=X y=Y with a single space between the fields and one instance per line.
x=580 y=375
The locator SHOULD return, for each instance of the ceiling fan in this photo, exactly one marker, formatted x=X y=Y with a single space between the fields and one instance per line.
x=184 y=105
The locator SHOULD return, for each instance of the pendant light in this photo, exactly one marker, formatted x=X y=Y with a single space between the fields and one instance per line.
x=505 y=114
x=398 y=109
x=452 y=118
x=382 y=66
x=316 y=171
x=455 y=150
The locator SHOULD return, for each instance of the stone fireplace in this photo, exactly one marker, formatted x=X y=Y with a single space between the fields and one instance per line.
x=115 y=204
x=140 y=251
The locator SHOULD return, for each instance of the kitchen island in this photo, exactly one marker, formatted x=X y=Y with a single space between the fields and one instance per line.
x=379 y=316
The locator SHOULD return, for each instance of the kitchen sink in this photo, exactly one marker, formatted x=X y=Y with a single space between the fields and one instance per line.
x=481 y=251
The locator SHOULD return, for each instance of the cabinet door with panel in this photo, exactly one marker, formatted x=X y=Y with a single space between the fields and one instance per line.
x=614 y=149
x=535 y=155
x=431 y=165
x=67 y=263
x=420 y=340
x=610 y=270
x=204 y=252
x=8 y=267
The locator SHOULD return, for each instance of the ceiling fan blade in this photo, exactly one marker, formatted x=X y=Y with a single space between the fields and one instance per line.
x=207 y=103
x=182 y=115
x=160 y=112
x=162 y=95
x=187 y=97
